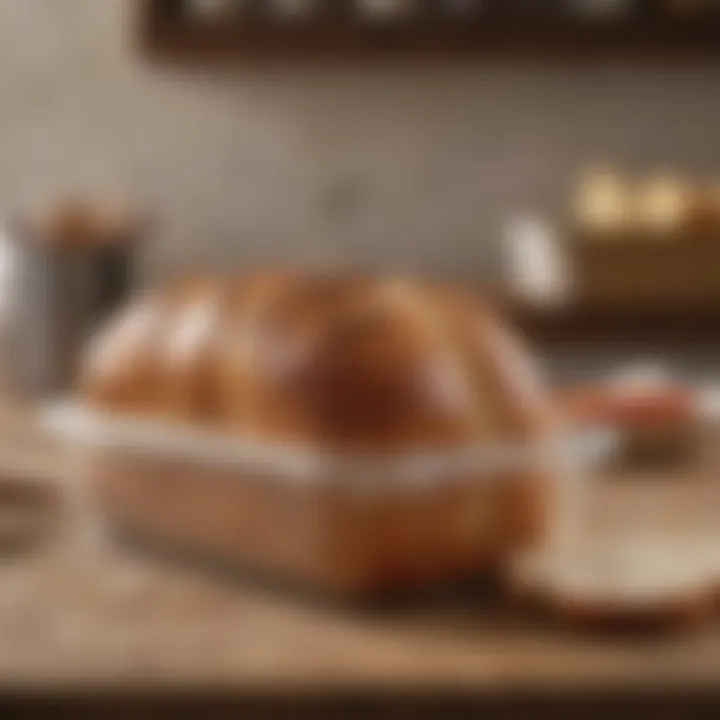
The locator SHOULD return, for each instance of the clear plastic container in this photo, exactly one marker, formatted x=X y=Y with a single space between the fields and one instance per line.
x=347 y=524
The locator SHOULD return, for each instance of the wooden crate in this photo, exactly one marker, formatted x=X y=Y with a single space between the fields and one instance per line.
x=681 y=271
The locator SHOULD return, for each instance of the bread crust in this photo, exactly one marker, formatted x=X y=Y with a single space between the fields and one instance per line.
x=339 y=360
x=341 y=364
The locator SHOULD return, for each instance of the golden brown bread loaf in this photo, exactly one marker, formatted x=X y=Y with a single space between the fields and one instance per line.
x=346 y=361
x=336 y=362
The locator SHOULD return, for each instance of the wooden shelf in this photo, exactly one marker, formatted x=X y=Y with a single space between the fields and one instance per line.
x=165 y=33
x=671 y=324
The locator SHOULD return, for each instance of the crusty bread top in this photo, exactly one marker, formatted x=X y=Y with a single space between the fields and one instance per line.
x=332 y=358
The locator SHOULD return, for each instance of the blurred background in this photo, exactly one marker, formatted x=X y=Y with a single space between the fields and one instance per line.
x=397 y=163
x=600 y=162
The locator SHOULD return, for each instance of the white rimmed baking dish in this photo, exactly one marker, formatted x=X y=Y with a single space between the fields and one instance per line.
x=348 y=524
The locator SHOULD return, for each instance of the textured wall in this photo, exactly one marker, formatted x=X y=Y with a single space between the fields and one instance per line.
x=407 y=165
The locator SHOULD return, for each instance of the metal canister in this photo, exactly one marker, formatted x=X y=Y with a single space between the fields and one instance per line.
x=70 y=271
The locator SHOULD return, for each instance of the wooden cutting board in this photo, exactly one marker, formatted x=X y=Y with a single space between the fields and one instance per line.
x=80 y=611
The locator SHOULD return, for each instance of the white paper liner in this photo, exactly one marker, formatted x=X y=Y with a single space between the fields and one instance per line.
x=151 y=437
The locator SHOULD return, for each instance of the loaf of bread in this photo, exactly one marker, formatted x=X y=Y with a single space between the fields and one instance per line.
x=346 y=367
x=344 y=361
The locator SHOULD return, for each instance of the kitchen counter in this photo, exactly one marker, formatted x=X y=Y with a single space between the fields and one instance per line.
x=78 y=611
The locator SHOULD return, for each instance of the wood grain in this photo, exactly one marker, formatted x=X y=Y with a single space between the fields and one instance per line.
x=83 y=611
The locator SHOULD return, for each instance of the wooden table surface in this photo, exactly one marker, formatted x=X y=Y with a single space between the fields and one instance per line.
x=78 y=611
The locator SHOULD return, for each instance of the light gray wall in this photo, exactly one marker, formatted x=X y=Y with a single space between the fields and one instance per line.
x=414 y=166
